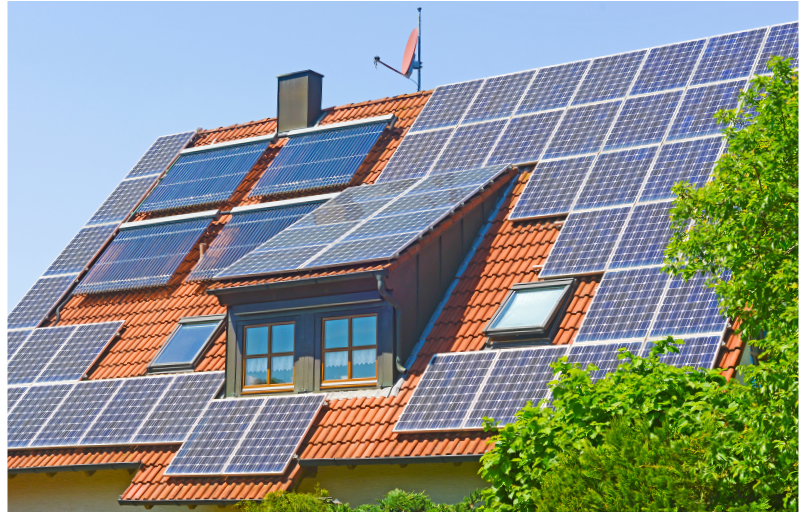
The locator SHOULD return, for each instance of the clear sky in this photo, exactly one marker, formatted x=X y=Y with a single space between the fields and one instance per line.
x=91 y=85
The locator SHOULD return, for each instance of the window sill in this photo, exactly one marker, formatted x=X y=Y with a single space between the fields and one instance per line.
x=338 y=384
x=269 y=389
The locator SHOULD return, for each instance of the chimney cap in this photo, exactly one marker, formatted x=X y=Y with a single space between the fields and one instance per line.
x=299 y=73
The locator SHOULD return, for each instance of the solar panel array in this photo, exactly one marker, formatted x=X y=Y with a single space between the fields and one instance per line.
x=698 y=352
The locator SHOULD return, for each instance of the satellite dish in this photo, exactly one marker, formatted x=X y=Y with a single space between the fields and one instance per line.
x=408 y=54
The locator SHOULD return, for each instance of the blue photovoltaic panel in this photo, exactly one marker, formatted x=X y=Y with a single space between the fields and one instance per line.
x=646 y=237
x=605 y=356
x=160 y=154
x=518 y=376
x=145 y=256
x=447 y=105
x=215 y=436
x=782 y=41
x=80 y=351
x=525 y=138
x=77 y=413
x=126 y=411
x=582 y=130
x=318 y=160
x=85 y=245
x=688 y=161
x=729 y=57
x=609 y=77
x=585 y=242
x=623 y=306
x=172 y=418
x=552 y=87
x=122 y=201
x=243 y=233
x=14 y=394
x=698 y=352
x=643 y=120
x=689 y=308
x=616 y=178
x=668 y=67
x=498 y=97
x=552 y=188
x=15 y=341
x=696 y=113
x=415 y=155
x=37 y=352
x=33 y=412
x=203 y=178
x=469 y=146
x=274 y=436
x=446 y=392
x=39 y=301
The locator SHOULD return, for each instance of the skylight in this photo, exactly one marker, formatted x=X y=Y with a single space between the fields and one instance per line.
x=186 y=344
x=529 y=310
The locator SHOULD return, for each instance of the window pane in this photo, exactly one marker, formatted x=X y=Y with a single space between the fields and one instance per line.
x=255 y=372
x=281 y=372
x=186 y=342
x=364 y=363
x=256 y=340
x=283 y=338
x=336 y=333
x=336 y=366
x=528 y=308
x=364 y=331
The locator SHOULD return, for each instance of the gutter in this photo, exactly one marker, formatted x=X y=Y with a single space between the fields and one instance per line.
x=77 y=467
x=433 y=459
x=148 y=504
x=380 y=279
x=293 y=283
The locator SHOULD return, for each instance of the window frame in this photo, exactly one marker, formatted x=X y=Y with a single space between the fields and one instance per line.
x=268 y=387
x=190 y=365
x=349 y=382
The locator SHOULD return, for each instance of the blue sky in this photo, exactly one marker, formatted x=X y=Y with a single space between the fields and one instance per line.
x=91 y=85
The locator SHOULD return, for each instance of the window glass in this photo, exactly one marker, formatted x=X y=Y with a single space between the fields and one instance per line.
x=257 y=340
x=269 y=355
x=185 y=343
x=528 y=308
x=283 y=338
x=364 y=331
x=364 y=363
x=350 y=348
x=336 y=333
x=256 y=371
x=281 y=370
x=336 y=366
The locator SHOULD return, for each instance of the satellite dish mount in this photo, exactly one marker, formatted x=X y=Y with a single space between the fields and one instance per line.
x=410 y=61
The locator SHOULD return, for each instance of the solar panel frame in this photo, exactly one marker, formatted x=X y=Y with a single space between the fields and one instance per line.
x=698 y=352
x=782 y=40
x=499 y=97
x=40 y=299
x=38 y=406
x=552 y=188
x=643 y=120
x=730 y=56
x=668 y=67
x=583 y=130
x=415 y=155
x=80 y=352
x=447 y=106
x=609 y=77
x=690 y=161
x=645 y=238
x=547 y=90
x=688 y=308
x=524 y=138
x=615 y=178
x=604 y=355
x=695 y=115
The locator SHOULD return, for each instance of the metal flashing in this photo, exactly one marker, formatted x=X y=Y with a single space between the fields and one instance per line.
x=170 y=219
x=235 y=142
x=283 y=203
x=334 y=126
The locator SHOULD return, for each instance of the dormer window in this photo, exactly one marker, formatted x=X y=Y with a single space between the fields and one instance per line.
x=269 y=356
x=349 y=350
x=185 y=346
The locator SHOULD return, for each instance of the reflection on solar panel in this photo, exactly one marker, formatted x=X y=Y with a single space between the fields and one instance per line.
x=39 y=301
x=499 y=97
x=160 y=154
x=623 y=306
x=415 y=155
x=243 y=233
x=698 y=352
x=643 y=120
x=646 y=236
x=446 y=106
x=518 y=376
x=609 y=77
x=552 y=188
x=469 y=146
x=122 y=201
x=33 y=412
x=80 y=351
x=274 y=436
x=318 y=160
x=14 y=394
x=446 y=392
x=585 y=243
x=782 y=41
x=729 y=57
x=689 y=161
x=78 y=253
x=668 y=67
x=37 y=352
x=689 y=308
x=582 y=130
x=145 y=256
x=204 y=178
x=696 y=113
x=15 y=340
x=552 y=87
x=605 y=356
x=616 y=178
x=524 y=138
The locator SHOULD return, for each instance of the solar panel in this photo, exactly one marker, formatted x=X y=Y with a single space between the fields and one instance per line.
x=80 y=351
x=689 y=308
x=609 y=77
x=616 y=178
x=582 y=130
x=14 y=394
x=318 y=160
x=85 y=245
x=695 y=116
x=605 y=356
x=39 y=301
x=643 y=120
x=144 y=256
x=782 y=41
x=446 y=391
x=585 y=242
x=415 y=155
x=698 y=352
x=552 y=87
x=518 y=376
x=161 y=153
x=623 y=306
x=668 y=67
x=15 y=340
x=552 y=188
x=498 y=97
x=689 y=161
x=729 y=57
x=122 y=201
x=28 y=363
x=469 y=146
x=447 y=105
x=646 y=237
x=33 y=411
x=524 y=138
x=275 y=435
x=204 y=178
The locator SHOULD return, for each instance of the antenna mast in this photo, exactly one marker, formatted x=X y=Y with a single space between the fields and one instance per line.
x=419 y=44
x=410 y=63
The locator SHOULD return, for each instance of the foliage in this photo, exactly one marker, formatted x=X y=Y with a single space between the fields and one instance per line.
x=283 y=501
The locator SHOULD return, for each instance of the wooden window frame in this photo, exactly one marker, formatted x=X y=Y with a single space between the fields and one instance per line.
x=269 y=355
x=353 y=382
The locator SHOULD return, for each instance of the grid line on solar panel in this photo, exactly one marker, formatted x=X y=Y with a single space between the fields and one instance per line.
x=161 y=153
x=415 y=155
x=782 y=41
x=14 y=395
x=645 y=238
x=524 y=138
x=122 y=201
x=582 y=130
x=695 y=116
x=80 y=351
x=499 y=96
x=688 y=308
x=604 y=356
x=15 y=341
x=609 y=77
x=615 y=178
x=80 y=251
x=585 y=242
x=37 y=407
x=689 y=161
x=552 y=188
x=643 y=120
x=40 y=348
x=39 y=301
x=553 y=87
x=447 y=105
x=730 y=56
x=698 y=352
x=623 y=306
x=668 y=67
x=469 y=146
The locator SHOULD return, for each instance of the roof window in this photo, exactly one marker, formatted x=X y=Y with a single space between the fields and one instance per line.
x=186 y=344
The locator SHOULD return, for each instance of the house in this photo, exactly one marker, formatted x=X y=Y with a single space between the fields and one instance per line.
x=339 y=296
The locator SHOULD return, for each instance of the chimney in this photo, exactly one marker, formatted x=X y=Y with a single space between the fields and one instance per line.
x=300 y=97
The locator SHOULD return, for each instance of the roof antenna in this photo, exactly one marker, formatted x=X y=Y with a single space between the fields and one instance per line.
x=410 y=63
